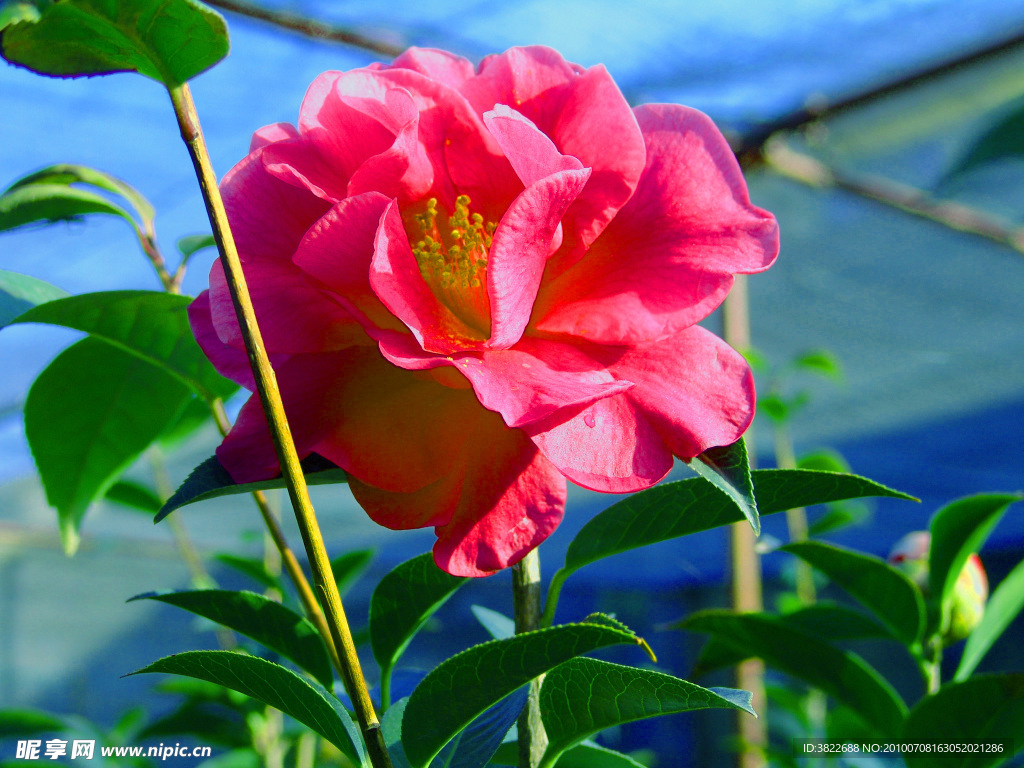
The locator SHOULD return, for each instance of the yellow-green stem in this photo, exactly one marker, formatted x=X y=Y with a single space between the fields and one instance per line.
x=270 y=397
x=533 y=741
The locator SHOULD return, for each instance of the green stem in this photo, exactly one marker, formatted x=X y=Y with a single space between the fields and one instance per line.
x=554 y=590
x=526 y=601
x=270 y=397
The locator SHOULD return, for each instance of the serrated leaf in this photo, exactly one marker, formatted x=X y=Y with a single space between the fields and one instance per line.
x=275 y=686
x=839 y=673
x=985 y=708
x=404 y=599
x=823 y=620
x=676 y=509
x=584 y=696
x=88 y=416
x=19 y=293
x=349 y=567
x=170 y=41
x=462 y=687
x=67 y=174
x=1005 y=604
x=958 y=530
x=894 y=600
x=210 y=480
x=267 y=622
x=24 y=723
x=51 y=203
x=151 y=325
x=135 y=495
x=498 y=625
x=252 y=567
x=728 y=469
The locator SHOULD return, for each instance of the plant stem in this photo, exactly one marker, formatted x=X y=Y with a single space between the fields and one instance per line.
x=270 y=397
x=526 y=601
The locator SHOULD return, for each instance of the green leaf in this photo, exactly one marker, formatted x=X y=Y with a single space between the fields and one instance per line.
x=51 y=203
x=1003 y=607
x=584 y=696
x=464 y=686
x=819 y=361
x=19 y=293
x=195 y=415
x=151 y=325
x=1003 y=140
x=252 y=567
x=671 y=510
x=210 y=480
x=887 y=593
x=837 y=516
x=67 y=174
x=267 y=622
x=349 y=567
x=134 y=495
x=825 y=459
x=403 y=600
x=202 y=720
x=985 y=708
x=190 y=245
x=391 y=730
x=823 y=620
x=591 y=755
x=275 y=686
x=88 y=416
x=958 y=530
x=839 y=673
x=25 y=723
x=498 y=625
x=236 y=758
x=12 y=11
x=728 y=469
x=170 y=41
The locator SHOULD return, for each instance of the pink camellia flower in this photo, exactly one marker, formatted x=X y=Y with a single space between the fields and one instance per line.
x=474 y=283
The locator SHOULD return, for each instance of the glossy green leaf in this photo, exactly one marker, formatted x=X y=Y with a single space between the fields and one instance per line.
x=1005 y=604
x=839 y=673
x=498 y=625
x=985 y=708
x=404 y=599
x=823 y=620
x=19 y=293
x=728 y=469
x=210 y=480
x=347 y=568
x=958 y=530
x=1003 y=140
x=151 y=325
x=252 y=567
x=170 y=41
x=196 y=415
x=53 y=202
x=584 y=696
x=26 y=723
x=591 y=755
x=894 y=600
x=264 y=620
x=135 y=495
x=89 y=415
x=190 y=245
x=67 y=174
x=464 y=686
x=391 y=730
x=275 y=686
x=12 y=11
x=675 y=509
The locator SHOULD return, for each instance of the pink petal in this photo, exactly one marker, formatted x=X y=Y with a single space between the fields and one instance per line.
x=500 y=500
x=532 y=154
x=518 y=76
x=438 y=65
x=395 y=278
x=537 y=379
x=666 y=261
x=271 y=134
x=609 y=446
x=694 y=388
x=524 y=239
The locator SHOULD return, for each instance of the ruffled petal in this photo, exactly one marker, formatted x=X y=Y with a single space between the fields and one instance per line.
x=271 y=134
x=500 y=501
x=667 y=259
x=695 y=389
x=438 y=65
x=532 y=154
x=536 y=379
x=525 y=237
x=609 y=446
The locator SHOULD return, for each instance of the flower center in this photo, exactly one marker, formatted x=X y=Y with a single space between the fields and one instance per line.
x=452 y=256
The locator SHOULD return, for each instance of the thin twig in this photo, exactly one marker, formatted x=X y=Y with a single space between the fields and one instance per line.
x=782 y=158
x=533 y=741
x=309 y=27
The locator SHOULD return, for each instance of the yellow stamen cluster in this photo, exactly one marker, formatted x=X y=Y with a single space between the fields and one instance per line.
x=456 y=257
